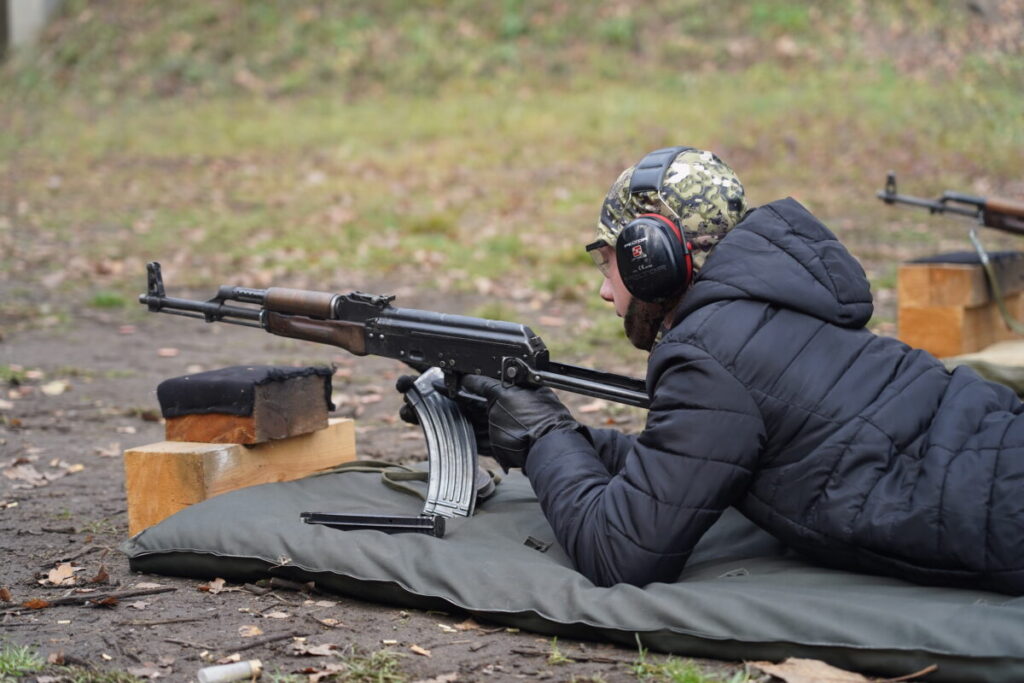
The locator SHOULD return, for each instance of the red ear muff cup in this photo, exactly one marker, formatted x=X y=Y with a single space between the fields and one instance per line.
x=652 y=258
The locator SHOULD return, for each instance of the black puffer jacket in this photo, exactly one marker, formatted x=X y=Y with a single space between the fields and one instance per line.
x=770 y=395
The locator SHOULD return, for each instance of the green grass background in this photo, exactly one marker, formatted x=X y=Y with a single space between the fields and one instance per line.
x=457 y=152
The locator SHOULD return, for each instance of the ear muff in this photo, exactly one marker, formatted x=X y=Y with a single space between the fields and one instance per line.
x=653 y=258
x=652 y=250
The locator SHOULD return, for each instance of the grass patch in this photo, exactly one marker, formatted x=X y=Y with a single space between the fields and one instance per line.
x=100 y=527
x=555 y=655
x=78 y=674
x=379 y=666
x=108 y=299
x=13 y=374
x=19 y=660
x=674 y=670
x=274 y=214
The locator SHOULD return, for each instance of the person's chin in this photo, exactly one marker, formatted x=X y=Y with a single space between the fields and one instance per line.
x=642 y=322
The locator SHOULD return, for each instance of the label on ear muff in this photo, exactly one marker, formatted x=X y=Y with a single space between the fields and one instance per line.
x=640 y=257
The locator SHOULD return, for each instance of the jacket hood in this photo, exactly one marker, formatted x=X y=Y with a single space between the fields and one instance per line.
x=781 y=254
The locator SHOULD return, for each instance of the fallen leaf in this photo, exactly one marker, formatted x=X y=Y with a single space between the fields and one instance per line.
x=329 y=669
x=214 y=587
x=6 y=405
x=56 y=658
x=145 y=672
x=55 y=388
x=5 y=595
x=35 y=603
x=105 y=656
x=113 y=450
x=324 y=650
x=250 y=631
x=28 y=474
x=167 y=352
x=446 y=628
x=139 y=604
x=72 y=469
x=419 y=650
x=147 y=585
x=467 y=625
x=101 y=576
x=230 y=659
x=795 y=670
x=109 y=601
x=277 y=615
x=61 y=575
x=126 y=429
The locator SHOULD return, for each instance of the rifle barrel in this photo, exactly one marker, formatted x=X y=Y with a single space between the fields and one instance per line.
x=211 y=310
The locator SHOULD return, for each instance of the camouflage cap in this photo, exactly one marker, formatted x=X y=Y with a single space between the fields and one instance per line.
x=699 y=190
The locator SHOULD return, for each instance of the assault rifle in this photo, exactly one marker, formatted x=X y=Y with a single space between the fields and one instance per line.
x=1001 y=214
x=443 y=347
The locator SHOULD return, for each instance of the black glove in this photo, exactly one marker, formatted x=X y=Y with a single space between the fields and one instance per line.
x=517 y=417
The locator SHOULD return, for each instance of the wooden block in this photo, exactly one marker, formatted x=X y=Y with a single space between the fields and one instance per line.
x=165 y=477
x=954 y=330
x=280 y=410
x=958 y=284
x=948 y=309
x=941 y=284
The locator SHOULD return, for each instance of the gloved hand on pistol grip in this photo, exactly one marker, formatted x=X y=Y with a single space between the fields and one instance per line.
x=517 y=417
x=402 y=385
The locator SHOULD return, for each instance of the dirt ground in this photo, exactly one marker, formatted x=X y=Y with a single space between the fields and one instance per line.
x=85 y=393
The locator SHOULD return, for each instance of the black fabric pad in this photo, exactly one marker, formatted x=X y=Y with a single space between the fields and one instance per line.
x=742 y=595
x=229 y=390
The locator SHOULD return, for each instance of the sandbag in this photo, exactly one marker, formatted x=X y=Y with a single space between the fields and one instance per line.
x=742 y=596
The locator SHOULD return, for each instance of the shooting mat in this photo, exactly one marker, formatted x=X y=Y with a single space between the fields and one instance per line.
x=742 y=596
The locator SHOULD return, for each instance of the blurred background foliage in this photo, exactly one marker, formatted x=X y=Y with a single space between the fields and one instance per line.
x=457 y=152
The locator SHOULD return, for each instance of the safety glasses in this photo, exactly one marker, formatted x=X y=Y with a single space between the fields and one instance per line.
x=600 y=258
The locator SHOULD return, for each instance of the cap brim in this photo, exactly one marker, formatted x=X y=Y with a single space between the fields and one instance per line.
x=597 y=244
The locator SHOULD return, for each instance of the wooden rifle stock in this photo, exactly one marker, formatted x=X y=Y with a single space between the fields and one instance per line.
x=349 y=336
x=1004 y=214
